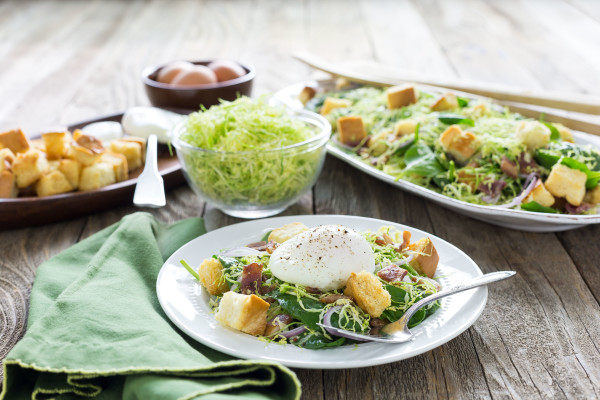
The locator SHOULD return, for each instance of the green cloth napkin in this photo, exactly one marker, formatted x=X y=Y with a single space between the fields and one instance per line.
x=96 y=328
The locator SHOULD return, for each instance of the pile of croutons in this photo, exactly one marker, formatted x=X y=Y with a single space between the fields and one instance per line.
x=62 y=162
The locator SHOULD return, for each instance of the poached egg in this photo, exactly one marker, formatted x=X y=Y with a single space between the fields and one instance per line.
x=322 y=257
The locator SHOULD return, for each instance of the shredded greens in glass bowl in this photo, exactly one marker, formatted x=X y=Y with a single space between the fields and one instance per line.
x=249 y=158
x=468 y=149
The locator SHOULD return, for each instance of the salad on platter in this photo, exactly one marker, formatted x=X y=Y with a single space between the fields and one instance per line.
x=288 y=287
x=469 y=149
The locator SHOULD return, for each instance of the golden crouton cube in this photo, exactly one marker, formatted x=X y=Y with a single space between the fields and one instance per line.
x=131 y=150
x=37 y=144
x=351 y=130
x=332 y=103
x=401 y=96
x=445 y=102
x=533 y=134
x=29 y=167
x=8 y=187
x=460 y=144
x=56 y=144
x=15 y=140
x=247 y=313
x=83 y=156
x=97 y=176
x=307 y=93
x=119 y=163
x=592 y=196
x=568 y=183
x=405 y=127
x=71 y=169
x=6 y=159
x=540 y=195
x=211 y=277
x=565 y=133
x=368 y=293
x=426 y=258
x=286 y=232
x=53 y=183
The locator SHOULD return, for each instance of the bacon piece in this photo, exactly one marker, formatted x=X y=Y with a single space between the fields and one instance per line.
x=509 y=167
x=571 y=209
x=405 y=241
x=260 y=246
x=278 y=321
x=332 y=298
x=251 y=278
x=527 y=164
x=313 y=290
x=376 y=325
x=271 y=246
x=392 y=273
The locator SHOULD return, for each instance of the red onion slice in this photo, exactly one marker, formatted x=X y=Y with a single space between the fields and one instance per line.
x=242 y=252
x=333 y=331
x=294 y=332
x=530 y=183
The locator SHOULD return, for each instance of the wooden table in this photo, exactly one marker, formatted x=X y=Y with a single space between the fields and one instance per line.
x=539 y=336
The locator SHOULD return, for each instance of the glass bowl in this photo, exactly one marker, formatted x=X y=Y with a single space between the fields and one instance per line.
x=255 y=184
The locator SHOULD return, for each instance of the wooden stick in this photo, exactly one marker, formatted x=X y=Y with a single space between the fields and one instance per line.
x=565 y=101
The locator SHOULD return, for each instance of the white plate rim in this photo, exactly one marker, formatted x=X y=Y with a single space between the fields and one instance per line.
x=172 y=275
x=510 y=218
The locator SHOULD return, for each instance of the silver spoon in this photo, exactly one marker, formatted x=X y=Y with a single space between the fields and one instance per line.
x=150 y=189
x=398 y=332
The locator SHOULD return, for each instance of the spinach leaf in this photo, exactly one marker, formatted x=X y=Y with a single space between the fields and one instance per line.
x=399 y=298
x=290 y=304
x=537 y=207
x=227 y=262
x=593 y=177
x=554 y=133
x=462 y=101
x=547 y=158
x=421 y=160
x=451 y=119
x=265 y=238
x=318 y=341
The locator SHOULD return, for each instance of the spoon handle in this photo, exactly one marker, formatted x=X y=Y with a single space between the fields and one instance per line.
x=473 y=283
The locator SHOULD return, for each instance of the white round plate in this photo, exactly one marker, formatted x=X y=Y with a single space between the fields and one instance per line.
x=508 y=218
x=186 y=303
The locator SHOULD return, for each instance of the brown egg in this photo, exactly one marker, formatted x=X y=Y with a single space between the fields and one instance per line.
x=198 y=75
x=226 y=70
x=170 y=71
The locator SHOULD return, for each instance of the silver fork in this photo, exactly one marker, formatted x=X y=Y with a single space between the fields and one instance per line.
x=398 y=332
x=150 y=189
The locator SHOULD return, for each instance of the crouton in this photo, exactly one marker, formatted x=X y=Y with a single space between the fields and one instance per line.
x=533 y=134
x=426 y=258
x=368 y=293
x=211 y=276
x=56 y=144
x=131 y=150
x=332 y=103
x=540 y=195
x=351 y=130
x=401 y=96
x=477 y=111
x=6 y=159
x=460 y=144
x=8 y=187
x=445 y=102
x=286 y=232
x=565 y=133
x=52 y=183
x=307 y=93
x=592 y=196
x=119 y=163
x=29 y=167
x=568 y=183
x=405 y=127
x=96 y=176
x=71 y=170
x=86 y=149
x=15 y=140
x=247 y=313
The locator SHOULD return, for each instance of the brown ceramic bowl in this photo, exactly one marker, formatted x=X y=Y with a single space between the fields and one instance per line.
x=191 y=97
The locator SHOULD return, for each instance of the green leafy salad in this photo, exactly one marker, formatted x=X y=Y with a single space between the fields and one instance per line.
x=249 y=152
x=467 y=149
x=366 y=280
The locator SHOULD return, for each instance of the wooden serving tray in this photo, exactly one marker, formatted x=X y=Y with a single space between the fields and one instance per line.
x=30 y=211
